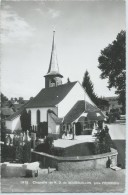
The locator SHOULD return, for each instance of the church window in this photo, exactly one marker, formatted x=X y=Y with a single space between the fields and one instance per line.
x=29 y=113
x=38 y=116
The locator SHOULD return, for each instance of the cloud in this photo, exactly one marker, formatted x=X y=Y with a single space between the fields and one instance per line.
x=13 y=27
x=54 y=13
x=39 y=10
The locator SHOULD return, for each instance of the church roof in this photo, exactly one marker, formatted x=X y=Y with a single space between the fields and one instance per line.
x=53 y=73
x=78 y=109
x=49 y=97
x=53 y=66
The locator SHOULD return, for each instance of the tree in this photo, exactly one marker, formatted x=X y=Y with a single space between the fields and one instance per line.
x=21 y=100
x=112 y=63
x=4 y=100
x=89 y=88
x=31 y=98
x=25 y=121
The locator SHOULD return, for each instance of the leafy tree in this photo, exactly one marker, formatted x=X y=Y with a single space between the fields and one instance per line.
x=31 y=98
x=21 y=100
x=112 y=63
x=4 y=99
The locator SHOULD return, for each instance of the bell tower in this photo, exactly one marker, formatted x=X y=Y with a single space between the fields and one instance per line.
x=53 y=78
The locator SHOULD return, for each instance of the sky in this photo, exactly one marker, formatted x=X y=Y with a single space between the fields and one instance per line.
x=83 y=29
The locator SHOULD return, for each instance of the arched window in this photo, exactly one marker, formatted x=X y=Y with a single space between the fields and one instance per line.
x=38 y=116
x=29 y=114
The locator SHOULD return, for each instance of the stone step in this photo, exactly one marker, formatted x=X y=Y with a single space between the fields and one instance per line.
x=115 y=168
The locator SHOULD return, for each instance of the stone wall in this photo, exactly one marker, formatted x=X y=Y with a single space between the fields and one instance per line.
x=78 y=162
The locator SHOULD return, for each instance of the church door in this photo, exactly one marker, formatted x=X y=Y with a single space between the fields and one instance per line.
x=43 y=129
x=78 y=128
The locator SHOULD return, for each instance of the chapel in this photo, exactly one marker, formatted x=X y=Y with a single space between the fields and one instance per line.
x=59 y=106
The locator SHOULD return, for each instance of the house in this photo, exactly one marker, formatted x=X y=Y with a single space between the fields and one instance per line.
x=6 y=112
x=13 y=121
x=52 y=107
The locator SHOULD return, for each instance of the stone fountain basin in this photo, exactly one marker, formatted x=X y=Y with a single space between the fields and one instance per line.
x=62 y=163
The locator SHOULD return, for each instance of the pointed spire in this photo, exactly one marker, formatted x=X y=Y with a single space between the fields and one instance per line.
x=53 y=66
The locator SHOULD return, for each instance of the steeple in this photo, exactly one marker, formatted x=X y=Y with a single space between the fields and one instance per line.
x=53 y=77
x=53 y=66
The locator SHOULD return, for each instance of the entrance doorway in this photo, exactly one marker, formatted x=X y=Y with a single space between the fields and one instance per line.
x=78 y=128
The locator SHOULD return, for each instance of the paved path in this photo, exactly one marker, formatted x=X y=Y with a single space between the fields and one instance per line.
x=117 y=131
x=63 y=143
x=118 y=135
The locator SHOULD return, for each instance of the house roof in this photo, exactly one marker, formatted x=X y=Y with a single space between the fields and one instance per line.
x=78 y=109
x=17 y=106
x=15 y=114
x=7 y=111
x=92 y=116
x=49 y=97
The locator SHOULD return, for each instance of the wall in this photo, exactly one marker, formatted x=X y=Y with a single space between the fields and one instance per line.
x=43 y=114
x=51 y=125
x=76 y=163
x=8 y=124
x=58 y=129
x=53 y=128
x=77 y=93
x=14 y=124
x=100 y=163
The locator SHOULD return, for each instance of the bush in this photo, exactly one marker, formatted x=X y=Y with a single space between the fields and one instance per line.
x=104 y=142
x=19 y=153
x=27 y=152
x=58 y=151
x=46 y=147
x=23 y=153
x=8 y=153
x=49 y=141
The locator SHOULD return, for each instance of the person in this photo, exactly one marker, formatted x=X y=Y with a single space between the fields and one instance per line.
x=109 y=163
x=106 y=129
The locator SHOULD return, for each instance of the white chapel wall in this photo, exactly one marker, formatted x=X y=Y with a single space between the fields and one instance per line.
x=43 y=114
x=68 y=102
x=51 y=125
x=77 y=93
